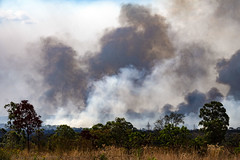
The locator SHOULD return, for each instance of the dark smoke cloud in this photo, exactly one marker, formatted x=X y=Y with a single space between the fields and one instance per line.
x=62 y=74
x=130 y=114
x=214 y=95
x=139 y=44
x=195 y=100
x=141 y=41
x=193 y=62
x=229 y=73
x=192 y=65
x=167 y=108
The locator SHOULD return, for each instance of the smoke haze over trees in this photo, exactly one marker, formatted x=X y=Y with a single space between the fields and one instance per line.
x=149 y=61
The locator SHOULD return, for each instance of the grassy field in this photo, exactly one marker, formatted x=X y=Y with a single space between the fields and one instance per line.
x=111 y=153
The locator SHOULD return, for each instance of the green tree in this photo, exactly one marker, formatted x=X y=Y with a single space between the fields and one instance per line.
x=2 y=133
x=120 y=130
x=215 y=121
x=63 y=138
x=38 y=138
x=159 y=124
x=14 y=140
x=22 y=117
x=173 y=118
x=101 y=135
x=86 y=139
x=174 y=137
x=137 y=139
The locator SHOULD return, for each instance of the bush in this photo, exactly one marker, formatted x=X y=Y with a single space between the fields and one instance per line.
x=153 y=158
x=237 y=150
x=4 y=155
x=174 y=137
x=101 y=157
x=200 y=145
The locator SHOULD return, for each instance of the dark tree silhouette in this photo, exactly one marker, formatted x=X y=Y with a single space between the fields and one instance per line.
x=173 y=119
x=215 y=121
x=22 y=117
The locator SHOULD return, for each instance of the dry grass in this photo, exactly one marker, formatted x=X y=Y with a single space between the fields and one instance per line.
x=112 y=153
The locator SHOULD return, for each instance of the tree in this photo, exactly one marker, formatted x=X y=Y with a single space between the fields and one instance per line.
x=137 y=139
x=120 y=130
x=63 y=139
x=174 y=137
x=86 y=139
x=22 y=117
x=12 y=140
x=2 y=133
x=101 y=135
x=159 y=124
x=173 y=119
x=215 y=121
x=38 y=138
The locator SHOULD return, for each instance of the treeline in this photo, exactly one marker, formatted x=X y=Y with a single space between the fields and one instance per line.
x=168 y=133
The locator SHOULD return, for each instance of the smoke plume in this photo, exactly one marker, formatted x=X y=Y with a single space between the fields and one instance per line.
x=138 y=67
x=228 y=73
x=195 y=100
x=63 y=75
x=229 y=9
x=145 y=66
x=141 y=41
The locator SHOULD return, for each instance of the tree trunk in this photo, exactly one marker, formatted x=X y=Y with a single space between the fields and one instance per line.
x=38 y=141
x=28 y=145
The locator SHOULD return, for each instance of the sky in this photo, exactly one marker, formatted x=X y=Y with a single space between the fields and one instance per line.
x=86 y=62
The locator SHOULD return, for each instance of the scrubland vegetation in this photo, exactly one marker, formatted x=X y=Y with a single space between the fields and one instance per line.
x=119 y=139
x=108 y=153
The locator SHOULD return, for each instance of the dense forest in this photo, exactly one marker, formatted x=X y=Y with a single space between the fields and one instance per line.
x=24 y=137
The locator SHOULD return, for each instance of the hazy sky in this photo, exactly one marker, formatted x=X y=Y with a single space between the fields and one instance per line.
x=88 y=61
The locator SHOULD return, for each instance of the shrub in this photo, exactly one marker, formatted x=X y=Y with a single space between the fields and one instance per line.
x=4 y=155
x=102 y=157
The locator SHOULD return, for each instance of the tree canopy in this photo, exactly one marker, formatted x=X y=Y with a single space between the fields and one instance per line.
x=62 y=139
x=173 y=119
x=215 y=121
x=22 y=117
